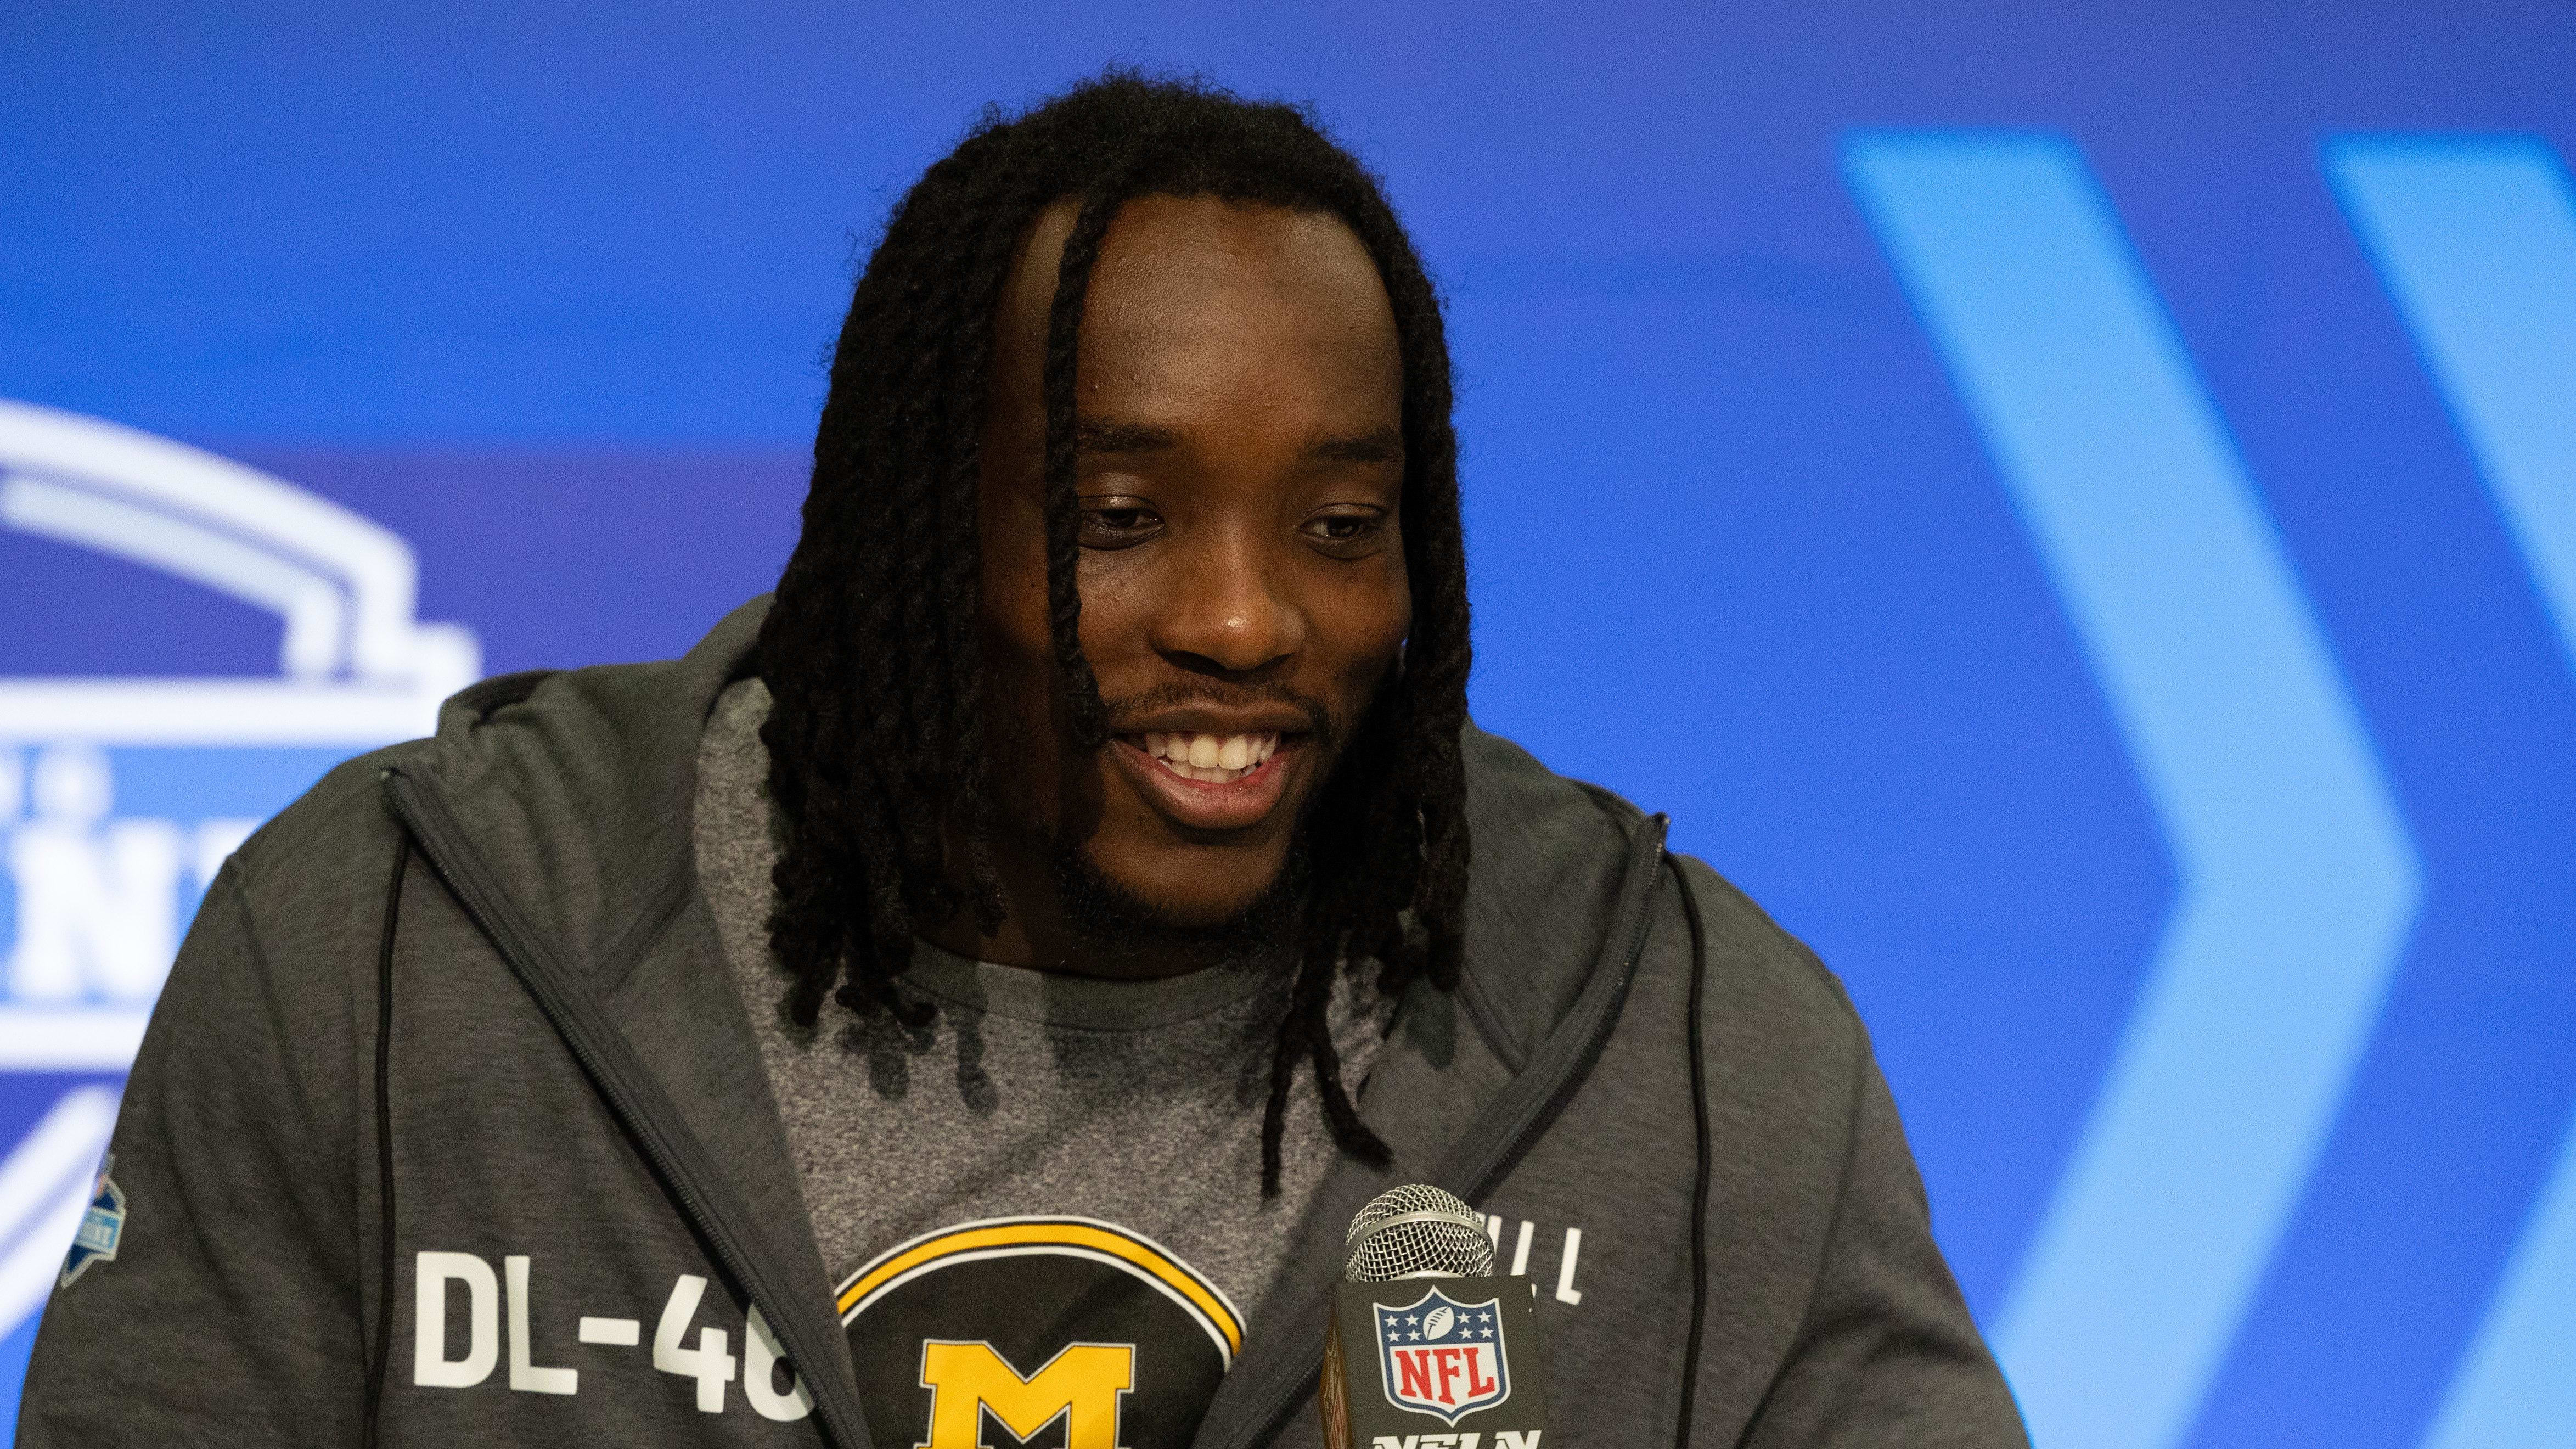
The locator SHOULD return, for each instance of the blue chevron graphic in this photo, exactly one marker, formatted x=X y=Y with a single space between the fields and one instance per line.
x=2297 y=882
x=2476 y=239
x=2517 y=1383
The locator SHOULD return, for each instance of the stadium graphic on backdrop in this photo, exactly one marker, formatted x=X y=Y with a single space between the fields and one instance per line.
x=121 y=797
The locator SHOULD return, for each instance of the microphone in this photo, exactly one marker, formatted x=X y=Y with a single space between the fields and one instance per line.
x=1428 y=1349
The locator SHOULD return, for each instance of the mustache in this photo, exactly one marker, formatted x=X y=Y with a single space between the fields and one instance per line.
x=1320 y=719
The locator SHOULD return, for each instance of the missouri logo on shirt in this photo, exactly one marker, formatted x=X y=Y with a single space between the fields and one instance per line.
x=1054 y=1333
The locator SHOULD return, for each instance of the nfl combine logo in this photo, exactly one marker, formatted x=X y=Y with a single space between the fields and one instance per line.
x=122 y=795
x=1439 y=1356
x=100 y=1227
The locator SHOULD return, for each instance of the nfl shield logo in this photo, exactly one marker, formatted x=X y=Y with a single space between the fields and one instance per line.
x=1439 y=1356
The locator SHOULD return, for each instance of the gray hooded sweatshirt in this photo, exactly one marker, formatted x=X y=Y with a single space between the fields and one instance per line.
x=450 y=1129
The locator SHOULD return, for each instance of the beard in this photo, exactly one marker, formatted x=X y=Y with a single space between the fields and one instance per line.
x=1118 y=922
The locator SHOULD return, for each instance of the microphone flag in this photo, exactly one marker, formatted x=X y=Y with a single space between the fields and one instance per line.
x=1448 y=1363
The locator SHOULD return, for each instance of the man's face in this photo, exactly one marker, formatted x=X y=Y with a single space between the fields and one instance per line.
x=1241 y=570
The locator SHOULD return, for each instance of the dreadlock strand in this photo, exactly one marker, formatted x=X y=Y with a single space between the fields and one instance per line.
x=1063 y=507
x=961 y=554
x=931 y=697
x=1284 y=1056
x=1349 y=1133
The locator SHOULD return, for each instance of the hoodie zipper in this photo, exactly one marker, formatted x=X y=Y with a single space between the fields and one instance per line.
x=1597 y=1011
x=424 y=816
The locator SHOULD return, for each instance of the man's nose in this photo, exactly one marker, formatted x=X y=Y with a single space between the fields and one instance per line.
x=1229 y=611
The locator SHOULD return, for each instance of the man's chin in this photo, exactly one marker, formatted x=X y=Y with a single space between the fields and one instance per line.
x=1123 y=921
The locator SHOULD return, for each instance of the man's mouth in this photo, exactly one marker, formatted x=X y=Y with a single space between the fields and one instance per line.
x=1244 y=778
x=1208 y=759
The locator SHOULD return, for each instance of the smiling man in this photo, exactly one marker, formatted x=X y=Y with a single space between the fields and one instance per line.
x=960 y=1003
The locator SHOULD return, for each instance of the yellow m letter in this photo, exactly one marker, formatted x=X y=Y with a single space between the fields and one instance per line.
x=1083 y=1383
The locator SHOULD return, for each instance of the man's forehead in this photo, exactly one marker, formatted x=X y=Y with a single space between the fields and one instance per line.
x=1163 y=258
x=1118 y=436
x=1200 y=314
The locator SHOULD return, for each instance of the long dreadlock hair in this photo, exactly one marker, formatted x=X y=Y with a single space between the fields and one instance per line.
x=877 y=736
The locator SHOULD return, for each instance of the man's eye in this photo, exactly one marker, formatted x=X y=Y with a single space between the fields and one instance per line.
x=1115 y=524
x=1345 y=529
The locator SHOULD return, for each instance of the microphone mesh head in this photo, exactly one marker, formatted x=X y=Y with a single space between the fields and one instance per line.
x=1416 y=1231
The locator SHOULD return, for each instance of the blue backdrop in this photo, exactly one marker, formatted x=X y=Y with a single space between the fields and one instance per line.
x=2074 y=509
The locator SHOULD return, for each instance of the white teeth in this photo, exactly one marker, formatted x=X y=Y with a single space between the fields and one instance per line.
x=1215 y=759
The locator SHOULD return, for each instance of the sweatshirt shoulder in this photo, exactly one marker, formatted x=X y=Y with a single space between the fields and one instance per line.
x=333 y=835
x=1796 y=1045
x=1548 y=857
x=1768 y=961
x=335 y=841
x=1550 y=852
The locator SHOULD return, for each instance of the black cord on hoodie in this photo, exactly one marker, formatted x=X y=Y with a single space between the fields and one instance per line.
x=1699 y=1182
x=385 y=1138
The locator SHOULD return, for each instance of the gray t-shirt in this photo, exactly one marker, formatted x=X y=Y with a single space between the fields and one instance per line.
x=1059 y=1178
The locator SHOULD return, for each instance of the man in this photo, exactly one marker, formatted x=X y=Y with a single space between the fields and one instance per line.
x=962 y=1001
